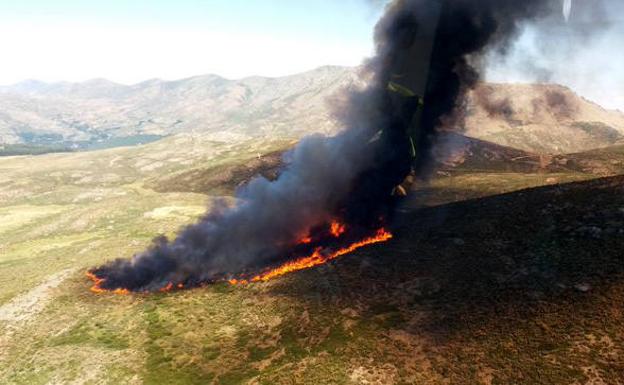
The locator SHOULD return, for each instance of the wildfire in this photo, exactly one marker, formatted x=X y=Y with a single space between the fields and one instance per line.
x=170 y=286
x=98 y=289
x=235 y=281
x=317 y=258
x=97 y=286
x=337 y=229
x=167 y=288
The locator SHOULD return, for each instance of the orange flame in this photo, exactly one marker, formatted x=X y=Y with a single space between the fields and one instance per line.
x=317 y=258
x=337 y=229
x=166 y=288
x=97 y=286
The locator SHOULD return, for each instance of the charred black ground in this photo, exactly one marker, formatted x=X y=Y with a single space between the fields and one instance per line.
x=350 y=177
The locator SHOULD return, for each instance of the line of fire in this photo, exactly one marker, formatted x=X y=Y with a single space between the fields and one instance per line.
x=419 y=73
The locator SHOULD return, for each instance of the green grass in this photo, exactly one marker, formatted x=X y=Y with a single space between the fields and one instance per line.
x=27 y=149
x=160 y=367
x=97 y=334
x=420 y=309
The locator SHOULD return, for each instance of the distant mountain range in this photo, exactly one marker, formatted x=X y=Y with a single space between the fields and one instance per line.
x=34 y=112
x=536 y=118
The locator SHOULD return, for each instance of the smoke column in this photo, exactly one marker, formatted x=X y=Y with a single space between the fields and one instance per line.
x=585 y=53
x=349 y=177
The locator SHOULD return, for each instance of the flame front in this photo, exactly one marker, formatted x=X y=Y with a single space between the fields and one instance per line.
x=97 y=286
x=317 y=258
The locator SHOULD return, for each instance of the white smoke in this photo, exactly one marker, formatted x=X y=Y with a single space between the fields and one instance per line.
x=586 y=53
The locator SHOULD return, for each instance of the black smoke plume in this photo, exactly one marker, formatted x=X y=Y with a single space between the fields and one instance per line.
x=349 y=177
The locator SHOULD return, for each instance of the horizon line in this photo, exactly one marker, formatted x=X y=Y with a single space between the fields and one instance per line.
x=56 y=82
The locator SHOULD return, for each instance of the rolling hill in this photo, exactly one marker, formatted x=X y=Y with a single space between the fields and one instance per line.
x=35 y=112
x=500 y=271
x=522 y=288
x=539 y=118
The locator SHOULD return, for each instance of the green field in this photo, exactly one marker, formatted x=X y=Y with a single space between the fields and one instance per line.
x=516 y=288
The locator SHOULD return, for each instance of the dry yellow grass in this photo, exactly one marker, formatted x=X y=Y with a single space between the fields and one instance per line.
x=432 y=306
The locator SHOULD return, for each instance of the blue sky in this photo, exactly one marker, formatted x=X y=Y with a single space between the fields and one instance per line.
x=130 y=41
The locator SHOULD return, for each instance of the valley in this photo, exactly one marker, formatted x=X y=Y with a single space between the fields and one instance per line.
x=505 y=267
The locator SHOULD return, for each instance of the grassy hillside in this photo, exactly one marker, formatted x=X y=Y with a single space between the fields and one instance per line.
x=523 y=288
x=542 y=118
x=605 y=161
x=25 y=149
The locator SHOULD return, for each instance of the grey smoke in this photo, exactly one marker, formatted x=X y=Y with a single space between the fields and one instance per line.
x=350 y=176
x=585 y=54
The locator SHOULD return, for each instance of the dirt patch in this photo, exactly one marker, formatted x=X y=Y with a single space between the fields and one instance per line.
x=21 y=309
x=25 y=306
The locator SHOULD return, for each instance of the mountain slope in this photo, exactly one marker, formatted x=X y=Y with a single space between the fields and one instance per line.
x=456 y=152
x=603 y=161
x=536 y=118
x=542 y=118
x=32 y=112
x=523 y=288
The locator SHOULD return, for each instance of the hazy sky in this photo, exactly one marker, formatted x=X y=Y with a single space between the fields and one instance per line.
x=586 y=54
x=132 y=40
x=128 y=41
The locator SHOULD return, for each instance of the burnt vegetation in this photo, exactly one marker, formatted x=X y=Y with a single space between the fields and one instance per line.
x=349 y=177
x=560 y=104
x=509 y=286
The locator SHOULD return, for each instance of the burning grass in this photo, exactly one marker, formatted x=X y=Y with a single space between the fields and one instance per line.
x=97 y=283
x=398 y=305
x=319 y=256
